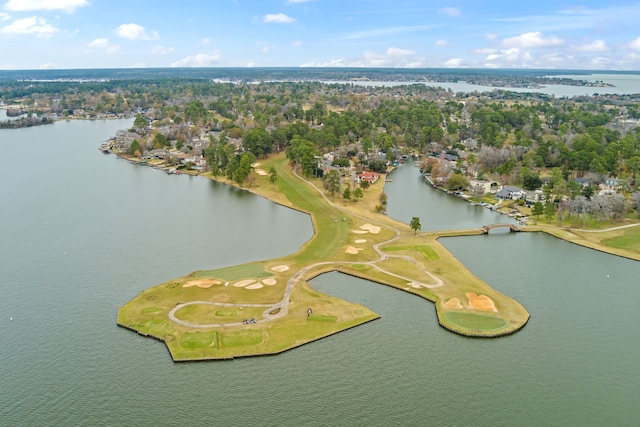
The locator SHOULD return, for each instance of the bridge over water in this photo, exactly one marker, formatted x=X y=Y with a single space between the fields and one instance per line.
x=511 y=227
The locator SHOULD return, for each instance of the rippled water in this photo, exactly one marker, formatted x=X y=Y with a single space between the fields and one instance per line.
x=82 y=233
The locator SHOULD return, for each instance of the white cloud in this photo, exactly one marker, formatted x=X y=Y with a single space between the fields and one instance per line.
x=28 y=5
x=198 y=60
x=391 y=58
x=397 y=52
x=161 y=50
x=278 y=18
x=4 y=16
x=455 y=63
x=442 y=43
x=47 y=66
x=205 y=40
x=135 y=32
x=451 y=11
x=296 y=43
x=297 y=1
x=595 y=46
x=102 y=42
x=532 y=40
x=32 y=25
x=385 y=32
x=635 y=44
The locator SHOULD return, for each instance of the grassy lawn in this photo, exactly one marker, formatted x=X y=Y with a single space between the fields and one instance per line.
x=629 y=240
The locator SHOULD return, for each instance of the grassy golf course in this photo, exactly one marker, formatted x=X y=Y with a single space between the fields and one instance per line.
x=268 y=307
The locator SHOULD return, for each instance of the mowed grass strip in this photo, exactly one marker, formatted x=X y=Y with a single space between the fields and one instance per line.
x=236 y=272
x=198 y=339
x=630 y=240
x=474 y=321
x=241 y=338
x=427 y=252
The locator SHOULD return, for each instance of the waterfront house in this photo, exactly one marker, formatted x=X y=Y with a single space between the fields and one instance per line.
x=479 y=186
x=371 y=177
x=509 y=192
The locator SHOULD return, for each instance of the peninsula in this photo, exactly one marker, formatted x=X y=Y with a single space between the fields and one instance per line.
x=268 y=307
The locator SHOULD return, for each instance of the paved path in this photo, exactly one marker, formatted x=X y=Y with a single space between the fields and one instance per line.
x=606 y=229
x=281 y=308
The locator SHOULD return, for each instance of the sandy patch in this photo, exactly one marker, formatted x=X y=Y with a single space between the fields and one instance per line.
x=352 y=250
x=243 y=283
x=361 y=241
x=261 y=172
x=202 y=283
x=255 y=286
x=453 y=303
x=415 y=285
x=360 y=231
x=280 y=268
x=370 y=228
x=481 y=302
x=269 y=282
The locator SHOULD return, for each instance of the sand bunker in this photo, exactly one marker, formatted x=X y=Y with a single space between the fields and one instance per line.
x=261 y=172
x=255 y=286
x=481 y=302
x=269 y=282
x=280 y=268
x=202 y=283
x=360 y=231
x=415 y=285
x=370 y=228
x=361 y=241
x=453 y=303
x=352 y=250
x=243 y=283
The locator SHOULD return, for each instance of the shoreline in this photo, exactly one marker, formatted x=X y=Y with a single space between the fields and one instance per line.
x=507 y=314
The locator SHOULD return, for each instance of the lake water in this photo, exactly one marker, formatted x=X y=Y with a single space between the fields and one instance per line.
x=623 y=84
x=82 y=233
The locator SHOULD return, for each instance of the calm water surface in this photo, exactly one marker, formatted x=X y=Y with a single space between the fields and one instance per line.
x=82 y=233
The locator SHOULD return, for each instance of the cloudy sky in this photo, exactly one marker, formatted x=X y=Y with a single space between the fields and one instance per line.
x=554 y=34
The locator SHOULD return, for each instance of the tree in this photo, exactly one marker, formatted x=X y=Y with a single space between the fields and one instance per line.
x=364 y=184
x=357 y=194
x=537 y=209
x=273 y=176
x=135 y=148
x=549 y=210
x=140 y=122
x=457 y=182
x=415 y=224
x=346 y=194
x=332 y=182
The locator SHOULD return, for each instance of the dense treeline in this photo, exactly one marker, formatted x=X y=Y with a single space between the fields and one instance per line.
x=501 y=135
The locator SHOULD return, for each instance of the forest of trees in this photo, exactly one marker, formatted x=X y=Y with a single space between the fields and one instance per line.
x=500 y=136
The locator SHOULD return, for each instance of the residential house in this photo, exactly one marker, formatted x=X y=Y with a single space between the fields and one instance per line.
x=510 y=193
x=479 y=186
x=371 y=177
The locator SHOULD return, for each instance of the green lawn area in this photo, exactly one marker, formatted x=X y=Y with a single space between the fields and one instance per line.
x=237 y=272
x=427 y=252
x=630 y=240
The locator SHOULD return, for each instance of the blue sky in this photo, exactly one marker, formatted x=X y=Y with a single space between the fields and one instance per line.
x=550 y=34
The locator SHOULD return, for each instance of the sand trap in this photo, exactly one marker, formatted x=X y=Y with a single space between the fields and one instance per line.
x=243 y=283
x=202 y=283
x=453 y=303
x=370 y=228
x=415 y=285
x=481 y=302
x=361 y=241
x=261 y=172
x=255 y=286
x=352 y=250
x=269 y=282
x=280 y=268
x=360 y=231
